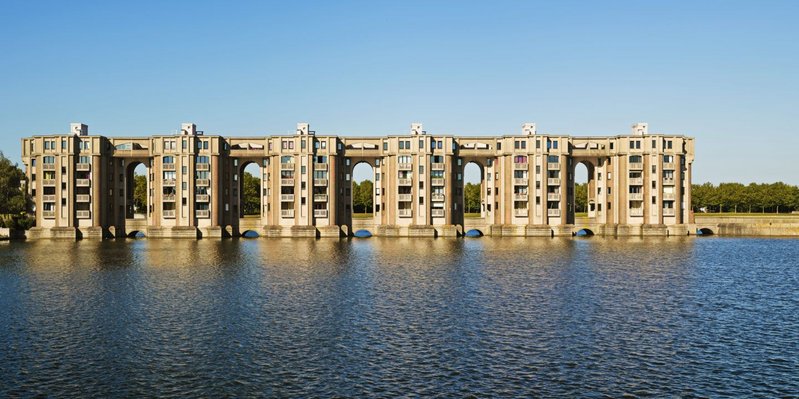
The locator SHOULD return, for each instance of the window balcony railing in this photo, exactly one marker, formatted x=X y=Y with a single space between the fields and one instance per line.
x=405 y=197
x=405 y=182
x=553 y=212
x=668 y=212
x=320 y=182
x=437 y=166
x=320 y=197
x=636 y=165
x=320 y=213
x=405 y=213
x=202 y=167
x=636 y=196
x=169 y=214
x=668 y=181
x=48 y=182
x=169 y=182
x=636 y=211
x=202 y=213
x=668 y=196
x=437 y=212
x=437 y=181
x=519 y=181
x=169 y=167
x=437 y=197
x=286 y=182
x=520 y=212
x=553 y=165
x=83 y=214
x=203 y=182
x=48 y=166
x=83 y=182
x=287 y=197
x=636 y=181
x=668 y=166
x=320 y=166
x=48 y=214
x=405 y=166
x=169 y=197
x=83 y=198
x=553 y=181
x=83 y=167
x=521 y=166
x=203 y=198
x=287 y=213
x=520 y=197
x=48 y=198
x=553 y=197
x=287 y=166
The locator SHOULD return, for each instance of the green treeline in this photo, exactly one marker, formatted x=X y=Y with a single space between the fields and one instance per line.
x=362 y=197
x=736 y=197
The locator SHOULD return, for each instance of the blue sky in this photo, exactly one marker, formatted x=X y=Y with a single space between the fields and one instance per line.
x=724 y=72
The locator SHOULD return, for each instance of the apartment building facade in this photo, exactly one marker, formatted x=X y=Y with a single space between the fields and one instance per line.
x=83 y=185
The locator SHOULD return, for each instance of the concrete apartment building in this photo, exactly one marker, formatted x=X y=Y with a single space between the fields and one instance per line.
x=82 y=184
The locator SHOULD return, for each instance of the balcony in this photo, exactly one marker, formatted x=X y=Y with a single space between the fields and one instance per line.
x=83 y=198
x=553 y=166
x=668 y=212
x=668 y=181
x=286 y=182
x=169 y=182
x=437 y=181
x=202 y=213
x=286 y=197
x=553 y=181
x=169 y=197
x=287 y=213
x=668 y=196
x=636 y=166
x=636 y=211
x=320 y=166
x=83 y=167
x=83 y=214
x=437 y=212
x=203 y=198
x=404 y=182
x=553 y=197
x=437 y=166
x=521 y=166
x=48 y=166
x=203 y=182
x=553 y=212
x=405 y=197
x=437 y=197
x=169 y=167
x=668 y=166
x=405 y=213
x=48 y=214
x=48 y=182
x=203 y=167
x=169 y=214
x=48 y=198
x=287 y=166
x=520 y=212
x=636 y=181
x=320 y=197
x=520 y=197
x=320 y=182
x=520 y=181
x=405 y=166
x=83 y=182
x=636 y=196
x=320 y=213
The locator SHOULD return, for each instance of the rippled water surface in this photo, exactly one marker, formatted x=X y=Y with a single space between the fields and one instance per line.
x=401 y=317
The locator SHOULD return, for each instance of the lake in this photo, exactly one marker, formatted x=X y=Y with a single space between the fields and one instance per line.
x=654 y=317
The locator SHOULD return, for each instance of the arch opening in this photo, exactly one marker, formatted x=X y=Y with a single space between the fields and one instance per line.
x=473 y=201
x=473 y=233
x=704 y=232
x=136 y=234
x=584 y=233
x=250 y=234
x=362 y=233
x=363 y=202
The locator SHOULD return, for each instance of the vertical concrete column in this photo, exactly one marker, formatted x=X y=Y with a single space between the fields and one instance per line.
x=678 y=188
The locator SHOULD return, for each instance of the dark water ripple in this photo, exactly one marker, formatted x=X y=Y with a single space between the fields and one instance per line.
x=401 y=317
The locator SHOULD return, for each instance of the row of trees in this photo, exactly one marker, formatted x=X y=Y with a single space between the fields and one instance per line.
x=362 y=201
x=15 y=203
x=736 y=197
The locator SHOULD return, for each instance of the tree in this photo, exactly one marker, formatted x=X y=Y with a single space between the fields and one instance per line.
x=362 y=196
x=13 y=198
x=251 y=195
x=471 y=198
x=581 y=197
x=140 y=193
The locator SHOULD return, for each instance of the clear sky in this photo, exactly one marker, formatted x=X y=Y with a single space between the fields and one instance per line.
x=724 y=72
